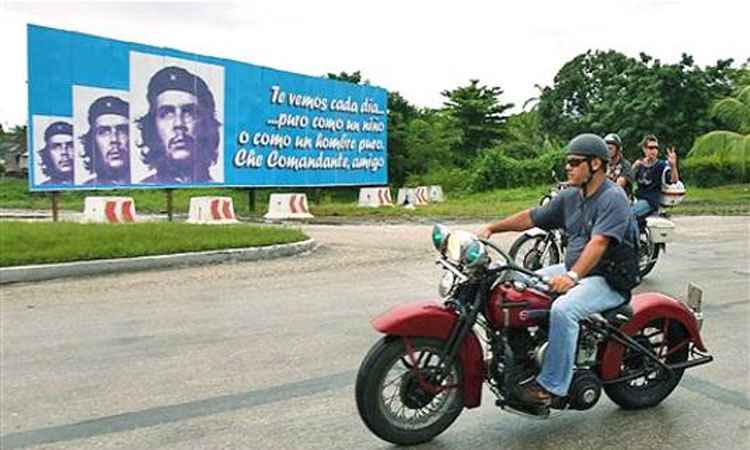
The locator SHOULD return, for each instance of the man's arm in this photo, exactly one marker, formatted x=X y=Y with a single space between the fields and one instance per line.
x=517 y=222
x=590 y=257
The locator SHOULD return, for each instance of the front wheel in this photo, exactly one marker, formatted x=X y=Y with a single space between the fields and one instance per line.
x=395 y=394
x=535 y=252
x=668 y=340
x=648 y=253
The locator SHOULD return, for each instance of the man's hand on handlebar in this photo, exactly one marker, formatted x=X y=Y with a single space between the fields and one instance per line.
x=484 y=232
x=561 y=284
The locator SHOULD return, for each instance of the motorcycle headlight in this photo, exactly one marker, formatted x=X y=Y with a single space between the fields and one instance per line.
x=439 y=237
x=474 y=254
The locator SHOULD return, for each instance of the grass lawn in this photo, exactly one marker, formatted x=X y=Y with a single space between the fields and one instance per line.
x=45 y=242
x=342 y=202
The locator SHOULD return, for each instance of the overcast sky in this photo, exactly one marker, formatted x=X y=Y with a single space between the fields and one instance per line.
x=418 y=48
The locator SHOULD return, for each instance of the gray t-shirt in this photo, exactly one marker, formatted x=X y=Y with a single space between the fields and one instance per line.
x=606 y=212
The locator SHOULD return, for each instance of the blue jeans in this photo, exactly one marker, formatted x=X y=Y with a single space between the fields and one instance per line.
x=641 y=208
x=591 y=295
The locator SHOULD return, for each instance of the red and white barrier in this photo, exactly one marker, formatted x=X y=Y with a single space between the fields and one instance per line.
x=288 y=206
x=211 y=210
x=375 y=197
x=422 y=196
x=109 y=210
x=436 y=194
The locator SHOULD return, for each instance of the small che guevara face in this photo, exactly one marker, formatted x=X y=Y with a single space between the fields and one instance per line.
x=176 y=123
x=60 y=148
x=111 y=134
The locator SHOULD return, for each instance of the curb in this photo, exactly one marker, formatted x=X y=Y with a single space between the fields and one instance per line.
x=83 y=268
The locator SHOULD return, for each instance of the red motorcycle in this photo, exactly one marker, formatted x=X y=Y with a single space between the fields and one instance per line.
x=492 y=327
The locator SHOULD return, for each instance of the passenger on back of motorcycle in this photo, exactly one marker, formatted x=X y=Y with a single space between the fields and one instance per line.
x=619 y=169
x=595 y=214
x=648 y=174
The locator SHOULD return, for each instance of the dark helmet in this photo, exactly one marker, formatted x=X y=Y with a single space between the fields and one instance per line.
x=612 y=138
x=588 y=144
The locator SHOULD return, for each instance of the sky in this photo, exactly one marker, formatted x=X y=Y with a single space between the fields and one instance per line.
x=418 y=48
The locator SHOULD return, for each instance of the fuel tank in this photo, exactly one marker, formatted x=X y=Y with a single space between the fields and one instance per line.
x=515 y=305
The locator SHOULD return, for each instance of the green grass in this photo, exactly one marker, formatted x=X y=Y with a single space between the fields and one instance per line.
x=342 y=202
x=45 y=242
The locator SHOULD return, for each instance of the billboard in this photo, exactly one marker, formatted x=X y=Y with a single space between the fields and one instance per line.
x=109 y=114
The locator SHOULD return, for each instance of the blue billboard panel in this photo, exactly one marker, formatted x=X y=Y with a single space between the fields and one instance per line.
x=107 y=114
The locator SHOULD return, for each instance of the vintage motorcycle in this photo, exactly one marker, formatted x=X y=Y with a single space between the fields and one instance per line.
x=492 y=327
x=537 y=248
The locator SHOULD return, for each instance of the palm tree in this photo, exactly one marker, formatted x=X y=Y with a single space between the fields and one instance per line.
x=733 y=144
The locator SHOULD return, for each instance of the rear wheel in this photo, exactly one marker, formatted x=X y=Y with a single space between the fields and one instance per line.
x=670 y=342
x=534 y=252
x=397 y=399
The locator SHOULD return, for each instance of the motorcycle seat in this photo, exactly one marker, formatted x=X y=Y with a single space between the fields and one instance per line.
x=616 y=314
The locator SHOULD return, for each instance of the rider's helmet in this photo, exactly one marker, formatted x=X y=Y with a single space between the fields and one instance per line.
x=613 y=138
x=588 y=144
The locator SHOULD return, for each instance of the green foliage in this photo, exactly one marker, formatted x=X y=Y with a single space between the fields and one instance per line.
x=495 y=169
x=722 y=157
x=604 y=92
x=452 y=179
x=40 y=242
x=525 y=138
x=710 y=171
x=479 y=114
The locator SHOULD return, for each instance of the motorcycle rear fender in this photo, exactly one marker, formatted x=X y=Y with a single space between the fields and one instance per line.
x=431 y=319
x=647 y=307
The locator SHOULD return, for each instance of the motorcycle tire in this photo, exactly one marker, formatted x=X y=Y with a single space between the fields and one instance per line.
x=371 y=395
x=646 y=392
x=648 y=250
x=533 y=261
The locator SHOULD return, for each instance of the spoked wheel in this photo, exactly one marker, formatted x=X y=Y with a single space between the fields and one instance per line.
x=397 y=396
x=534 y=252
x=648 y=252
x=669 y=341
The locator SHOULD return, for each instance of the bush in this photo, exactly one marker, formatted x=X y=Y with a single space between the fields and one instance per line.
x=495 y=170
x=710 y=171
x=451 y=179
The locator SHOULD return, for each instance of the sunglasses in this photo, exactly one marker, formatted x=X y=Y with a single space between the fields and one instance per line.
x=652 y=147
x=575 y=162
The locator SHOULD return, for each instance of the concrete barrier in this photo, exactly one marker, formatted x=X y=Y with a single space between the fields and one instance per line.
x=109 y=210
x=436 y=194
x=288 y=206
x=422 y=195
x=211 y=211
x=375 y=197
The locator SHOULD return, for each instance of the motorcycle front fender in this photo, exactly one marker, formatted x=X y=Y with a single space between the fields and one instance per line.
x=431 y=319
x=646 y=308
x=534 y=232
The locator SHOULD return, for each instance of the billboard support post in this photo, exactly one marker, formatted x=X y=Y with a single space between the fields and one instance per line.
x=169 y=204
x=55 y=205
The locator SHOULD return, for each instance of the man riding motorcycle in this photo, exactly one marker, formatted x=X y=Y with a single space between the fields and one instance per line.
x=619 y=169
x=596 y=216
x=648 y=173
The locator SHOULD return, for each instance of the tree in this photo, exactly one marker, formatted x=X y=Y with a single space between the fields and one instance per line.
x=400 y=113
x=430 y=140
x=730 y=146
x=354 y=77
x=479 y=114
x=604 y=92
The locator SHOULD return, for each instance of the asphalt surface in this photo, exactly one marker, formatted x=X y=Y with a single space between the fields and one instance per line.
x=263 y=355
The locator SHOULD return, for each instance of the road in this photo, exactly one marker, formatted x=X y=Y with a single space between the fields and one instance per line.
x=264 y=355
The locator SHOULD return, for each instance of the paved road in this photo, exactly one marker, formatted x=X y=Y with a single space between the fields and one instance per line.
x=264 y=355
